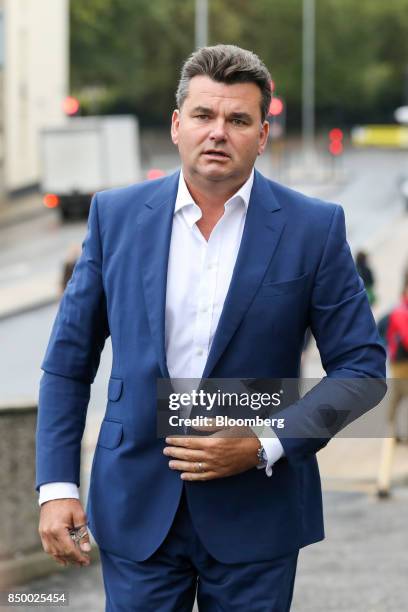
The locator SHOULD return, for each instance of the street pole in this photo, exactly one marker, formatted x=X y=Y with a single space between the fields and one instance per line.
x=308 y=80
x=201 y=23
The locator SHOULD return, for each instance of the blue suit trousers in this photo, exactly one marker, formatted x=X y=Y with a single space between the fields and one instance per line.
x=182 y=569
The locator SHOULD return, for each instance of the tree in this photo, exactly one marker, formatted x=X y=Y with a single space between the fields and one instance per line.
x=127 y=54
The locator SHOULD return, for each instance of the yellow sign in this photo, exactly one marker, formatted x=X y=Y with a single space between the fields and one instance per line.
x=393 y=136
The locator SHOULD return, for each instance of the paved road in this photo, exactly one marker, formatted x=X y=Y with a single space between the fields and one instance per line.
x=24 y=339
x=362 y=566
x=370 y=195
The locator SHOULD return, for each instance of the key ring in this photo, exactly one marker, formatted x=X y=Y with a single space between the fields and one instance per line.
x=77 y=533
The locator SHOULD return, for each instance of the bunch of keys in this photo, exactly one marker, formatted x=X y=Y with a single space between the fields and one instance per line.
x=77 y=533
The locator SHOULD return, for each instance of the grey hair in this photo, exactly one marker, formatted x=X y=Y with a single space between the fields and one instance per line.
x=226 y=64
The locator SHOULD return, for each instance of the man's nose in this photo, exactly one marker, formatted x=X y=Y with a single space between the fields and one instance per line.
x=218 y=131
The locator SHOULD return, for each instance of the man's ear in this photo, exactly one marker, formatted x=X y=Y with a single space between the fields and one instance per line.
x=175 y=122
x=263 y=137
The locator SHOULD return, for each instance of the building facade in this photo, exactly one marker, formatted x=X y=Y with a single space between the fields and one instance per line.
x=34 y=76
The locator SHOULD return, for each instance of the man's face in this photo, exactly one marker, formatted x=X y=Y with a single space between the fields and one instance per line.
x=219 y=131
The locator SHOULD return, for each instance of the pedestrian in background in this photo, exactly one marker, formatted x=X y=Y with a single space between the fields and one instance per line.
x=394 y=329
x=364 y=270
x=397 y=344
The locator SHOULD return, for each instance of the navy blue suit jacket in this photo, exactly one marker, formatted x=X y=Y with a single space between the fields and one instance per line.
x=294 y=270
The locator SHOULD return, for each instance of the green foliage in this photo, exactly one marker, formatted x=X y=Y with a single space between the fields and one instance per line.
x=127 y=54
x=131 y=50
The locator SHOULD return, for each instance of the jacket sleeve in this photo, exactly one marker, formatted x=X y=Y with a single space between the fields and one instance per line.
x=350 y=349
x=70 y=364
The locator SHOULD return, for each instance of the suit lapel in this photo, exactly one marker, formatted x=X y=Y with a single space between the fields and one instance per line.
x=263 y=228
x=154 y=233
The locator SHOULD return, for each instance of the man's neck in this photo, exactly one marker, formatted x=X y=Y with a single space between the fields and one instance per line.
x=211 y=195
x=211 y=200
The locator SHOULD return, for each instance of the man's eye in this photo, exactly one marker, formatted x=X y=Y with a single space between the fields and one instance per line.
x=201 y=116
x=238 y=122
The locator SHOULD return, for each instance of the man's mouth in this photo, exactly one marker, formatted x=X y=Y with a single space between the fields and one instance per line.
x=216 y=153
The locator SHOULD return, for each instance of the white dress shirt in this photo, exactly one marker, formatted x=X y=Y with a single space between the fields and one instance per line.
x=198 y=278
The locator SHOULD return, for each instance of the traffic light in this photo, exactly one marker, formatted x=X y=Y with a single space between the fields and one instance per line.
x=276 y=106
x=277 y=117
x=336 y=146
x=70 y=106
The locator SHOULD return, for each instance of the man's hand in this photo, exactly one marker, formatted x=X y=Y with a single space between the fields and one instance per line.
x=216 y=456
x=57 y=517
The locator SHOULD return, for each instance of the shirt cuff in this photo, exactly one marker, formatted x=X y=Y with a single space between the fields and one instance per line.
x=272 y=446
x=57 y=490
x=274 y=451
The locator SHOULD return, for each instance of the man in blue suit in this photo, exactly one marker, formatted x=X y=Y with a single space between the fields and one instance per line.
x=212 y=272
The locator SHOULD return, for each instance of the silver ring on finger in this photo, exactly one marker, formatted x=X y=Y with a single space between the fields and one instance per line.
x=201 y=467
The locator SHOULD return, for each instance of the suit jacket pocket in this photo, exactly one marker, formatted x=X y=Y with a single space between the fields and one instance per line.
x=115 y=389
x=110 y=435
x=292 y=286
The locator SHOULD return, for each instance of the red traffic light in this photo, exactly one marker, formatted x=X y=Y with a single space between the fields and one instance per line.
x=336 y=134
x=70 y=106
x=336 y=141
x=336 y=147
x=276 y=106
